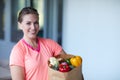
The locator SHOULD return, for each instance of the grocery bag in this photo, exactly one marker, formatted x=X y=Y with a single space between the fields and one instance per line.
x=74 y=74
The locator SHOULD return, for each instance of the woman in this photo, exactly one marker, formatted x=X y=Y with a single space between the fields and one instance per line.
x=30 y=55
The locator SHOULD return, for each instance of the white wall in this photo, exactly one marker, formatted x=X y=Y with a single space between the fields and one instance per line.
x=91 y=29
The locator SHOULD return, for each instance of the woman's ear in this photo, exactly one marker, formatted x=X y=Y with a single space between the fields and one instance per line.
x=19 y=26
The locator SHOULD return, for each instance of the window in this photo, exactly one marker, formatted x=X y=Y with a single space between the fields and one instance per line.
x=2 y=6
x=16 y=33
x=50 y=13
x=53 y=20
x=17 y=5
x=39 y=5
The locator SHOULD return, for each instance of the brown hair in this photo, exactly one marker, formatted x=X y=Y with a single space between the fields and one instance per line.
x=27 y=10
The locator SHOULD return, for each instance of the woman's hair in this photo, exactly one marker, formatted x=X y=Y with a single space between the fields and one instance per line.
x=26 y=10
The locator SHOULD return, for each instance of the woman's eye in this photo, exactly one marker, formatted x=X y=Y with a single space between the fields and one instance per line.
x=28 y=23
x=36 y=23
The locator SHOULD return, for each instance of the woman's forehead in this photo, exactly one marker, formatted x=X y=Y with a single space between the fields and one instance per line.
x=30 y=17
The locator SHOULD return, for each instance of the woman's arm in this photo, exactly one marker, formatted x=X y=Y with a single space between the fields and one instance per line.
x=63 y=55
x=17 y=73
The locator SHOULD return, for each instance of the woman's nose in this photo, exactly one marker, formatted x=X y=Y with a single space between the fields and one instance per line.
x=33 y=26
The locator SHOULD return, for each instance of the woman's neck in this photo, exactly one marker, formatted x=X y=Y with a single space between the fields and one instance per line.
x=32 y=42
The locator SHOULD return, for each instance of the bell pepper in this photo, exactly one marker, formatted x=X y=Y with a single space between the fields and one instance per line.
x=64 y=67
x=76 y=61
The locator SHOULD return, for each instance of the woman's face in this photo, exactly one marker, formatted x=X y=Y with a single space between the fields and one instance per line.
x=29 y=25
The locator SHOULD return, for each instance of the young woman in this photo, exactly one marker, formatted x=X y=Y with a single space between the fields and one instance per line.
x=29 y=57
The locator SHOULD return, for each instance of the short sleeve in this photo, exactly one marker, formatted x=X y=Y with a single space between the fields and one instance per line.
x=17 y=56
x=54 y=46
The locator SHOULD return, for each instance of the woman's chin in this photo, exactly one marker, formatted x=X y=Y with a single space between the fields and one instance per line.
x=33 y=37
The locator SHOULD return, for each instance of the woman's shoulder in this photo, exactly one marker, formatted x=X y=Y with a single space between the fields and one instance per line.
x=19 y=45
x=45 y=39
x=48 y=42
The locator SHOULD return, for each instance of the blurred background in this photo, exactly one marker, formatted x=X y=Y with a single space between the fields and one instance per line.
x=89 y=28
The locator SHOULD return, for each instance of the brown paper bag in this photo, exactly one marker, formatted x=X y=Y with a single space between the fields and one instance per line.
x=74 y=74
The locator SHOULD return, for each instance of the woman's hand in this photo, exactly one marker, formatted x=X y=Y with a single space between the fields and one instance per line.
x=63 y=55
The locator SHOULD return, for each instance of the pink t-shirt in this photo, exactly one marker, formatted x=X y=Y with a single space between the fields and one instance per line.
x=35 y=61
